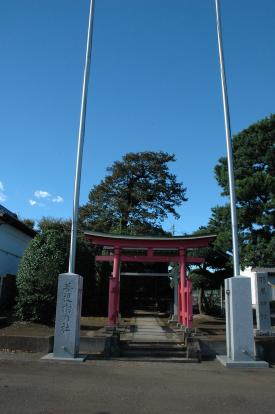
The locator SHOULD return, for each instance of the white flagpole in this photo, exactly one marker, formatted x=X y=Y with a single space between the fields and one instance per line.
x=231 y=180
x=81 y=134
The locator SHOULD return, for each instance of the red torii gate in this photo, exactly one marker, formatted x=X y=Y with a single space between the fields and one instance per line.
x=119 y=243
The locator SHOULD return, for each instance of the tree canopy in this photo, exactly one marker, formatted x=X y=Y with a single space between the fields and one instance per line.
x=254 y=170
x=136 y=196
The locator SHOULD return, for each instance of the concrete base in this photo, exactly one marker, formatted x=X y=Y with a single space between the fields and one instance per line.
x=211 y=347
x=27 y=343
x=69 y=359
x=229 y=363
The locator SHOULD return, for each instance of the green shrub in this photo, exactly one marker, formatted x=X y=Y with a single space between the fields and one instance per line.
x=45 y=258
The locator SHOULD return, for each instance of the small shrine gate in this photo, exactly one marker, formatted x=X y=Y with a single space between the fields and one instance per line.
x=155 y=250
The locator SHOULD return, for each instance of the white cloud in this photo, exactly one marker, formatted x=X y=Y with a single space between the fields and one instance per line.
x=58 y=199
x=35 y=203
x=42 y=194
x=3 y=196
x=46 y=196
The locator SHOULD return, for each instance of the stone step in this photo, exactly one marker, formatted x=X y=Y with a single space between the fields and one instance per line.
x=147 y=345
x=156 y=350
x=151 y=358
x=153 y=353
x=153 y=343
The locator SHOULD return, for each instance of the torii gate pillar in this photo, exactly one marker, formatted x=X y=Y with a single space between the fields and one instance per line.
x=114 y=289
x=185 y=294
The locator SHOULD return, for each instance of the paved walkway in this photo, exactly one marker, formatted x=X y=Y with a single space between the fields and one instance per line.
x=151 y=329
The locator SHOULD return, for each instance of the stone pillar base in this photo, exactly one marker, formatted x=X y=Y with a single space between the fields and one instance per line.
x=239 y=325
x=229 y=363
x=54 y=358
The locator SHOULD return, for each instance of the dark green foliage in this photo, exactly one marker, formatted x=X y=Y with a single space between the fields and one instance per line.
x=136 y=196
x=210 y=275
x=37 y=276
x=29 y=222
x=45 y=258
x=58 y=225
x=254 y=169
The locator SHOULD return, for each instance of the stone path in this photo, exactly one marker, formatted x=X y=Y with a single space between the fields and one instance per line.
x=151 y=329
x=152 y=339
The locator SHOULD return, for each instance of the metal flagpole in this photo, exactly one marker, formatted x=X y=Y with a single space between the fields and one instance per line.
x=240 y=344
x=81 y=133
x=229 y=147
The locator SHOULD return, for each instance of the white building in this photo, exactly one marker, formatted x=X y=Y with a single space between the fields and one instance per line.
x=14 y=239
x=251 y=272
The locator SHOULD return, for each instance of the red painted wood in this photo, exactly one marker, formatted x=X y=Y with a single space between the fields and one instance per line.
x=154 y=259
x=182 y=287
x=113 y=301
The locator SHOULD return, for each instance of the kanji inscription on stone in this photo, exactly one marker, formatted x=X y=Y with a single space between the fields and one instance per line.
x=66 y=307
x=68 y=312
x=262 y=302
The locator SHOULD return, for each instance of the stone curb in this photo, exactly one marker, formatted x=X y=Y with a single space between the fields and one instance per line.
x=26 y=343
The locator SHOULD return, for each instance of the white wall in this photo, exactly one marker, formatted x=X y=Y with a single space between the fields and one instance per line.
x=13 y=243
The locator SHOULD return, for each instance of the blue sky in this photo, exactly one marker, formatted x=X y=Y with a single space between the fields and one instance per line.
x=154 y=85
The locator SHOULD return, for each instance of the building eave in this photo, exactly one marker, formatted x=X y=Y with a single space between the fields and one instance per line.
x=12 y=221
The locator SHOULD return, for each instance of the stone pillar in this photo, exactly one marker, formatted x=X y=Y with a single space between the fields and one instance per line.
x=179 y=303
x=239 y=325
x=175 y=307
x=68 y=313
x=262 y=303
x=113 y=305
x=182 y=287
x=175 y=316
x=118 y=298
x=189 y=301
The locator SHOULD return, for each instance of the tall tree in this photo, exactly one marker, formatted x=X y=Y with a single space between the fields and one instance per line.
x=254 y=169
x=136 y=196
